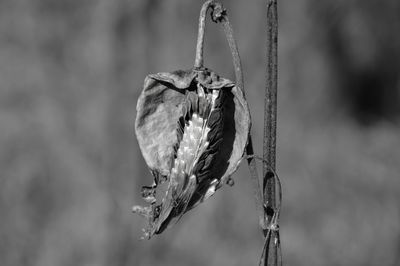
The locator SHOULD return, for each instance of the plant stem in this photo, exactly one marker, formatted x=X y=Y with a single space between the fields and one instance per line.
x=219 y=15
x=269 y=143
x=270 y=106
x=198 y=63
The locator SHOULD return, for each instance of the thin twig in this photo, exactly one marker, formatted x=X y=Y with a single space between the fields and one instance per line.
x=271 y=254
x=270 y=104
x=219 y=15
x=198 y=63
x=269 y=143
x=257 y=192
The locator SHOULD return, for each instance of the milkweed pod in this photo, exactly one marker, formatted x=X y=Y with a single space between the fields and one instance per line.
x=192 y=128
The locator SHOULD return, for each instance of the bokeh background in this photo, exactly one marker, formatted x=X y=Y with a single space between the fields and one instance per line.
x=70 y=167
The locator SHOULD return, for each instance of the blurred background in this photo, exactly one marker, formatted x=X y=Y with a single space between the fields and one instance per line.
x=70 y=167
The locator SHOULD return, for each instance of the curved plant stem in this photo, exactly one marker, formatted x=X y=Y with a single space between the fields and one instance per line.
x=257 y=192
x=268 y=217
x=219 y=15
x=268 y=207
x=198 y=63
x=272 y=247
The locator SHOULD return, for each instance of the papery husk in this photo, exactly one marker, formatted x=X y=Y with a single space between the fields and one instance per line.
x=159 y=108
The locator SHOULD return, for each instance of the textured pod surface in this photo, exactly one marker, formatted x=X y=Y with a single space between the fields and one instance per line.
x=192 y=128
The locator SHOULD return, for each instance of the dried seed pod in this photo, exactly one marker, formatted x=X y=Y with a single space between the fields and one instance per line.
x=192 y=128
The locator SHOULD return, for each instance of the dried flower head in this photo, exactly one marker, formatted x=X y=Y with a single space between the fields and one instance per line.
x=192 y=127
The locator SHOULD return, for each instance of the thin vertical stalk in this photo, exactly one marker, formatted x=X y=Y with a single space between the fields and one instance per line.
x=270 y=103
x=269 y=143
